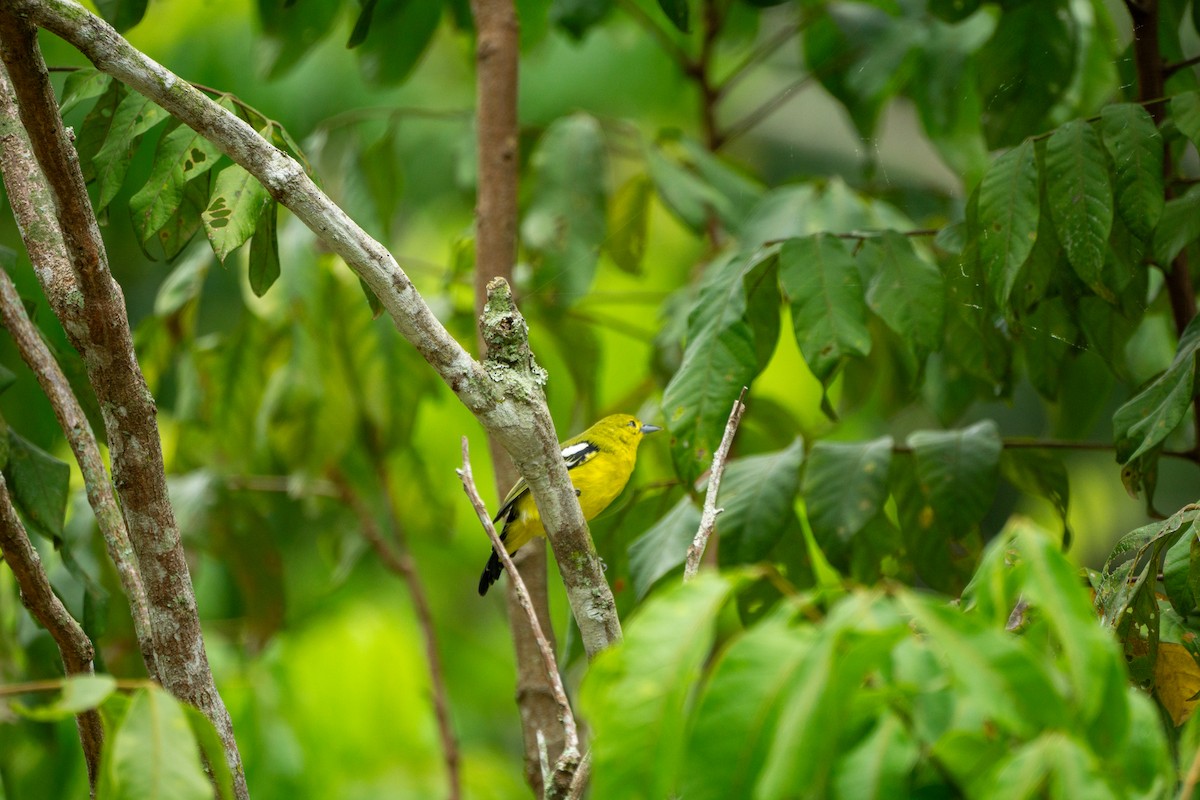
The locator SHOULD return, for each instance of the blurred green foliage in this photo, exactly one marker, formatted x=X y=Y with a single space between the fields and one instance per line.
x=940 y=273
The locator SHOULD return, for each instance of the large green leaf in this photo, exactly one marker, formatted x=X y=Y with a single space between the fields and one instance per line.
x=957 y=473
x=845 y=486
x=822 y=283
x=292 y=28
x=154 y=753
x=1081 y=202
x=723 y=354
x=628 y=217
x=677 y=12
x=736 y=715
x=81 y=85
x=96 y=126
x=134 y=116
x=39 y=484
x=577 y=17
x=664 y=547
x=565 y=225
x=1008 y=218
x=1185 y=112
x=80 y=693
x=1148 y=418
x=636 y=694
x=392 y=35
x=264 y=252
x=122 y=14
x=1042 y=473
x=234 y=207
x=1136 y=148
x=757 y=494
x=905 y=290
x=880 y=767
x=1178 y=227
x=182 y=155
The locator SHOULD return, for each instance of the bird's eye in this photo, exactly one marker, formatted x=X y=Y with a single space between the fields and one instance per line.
x=633 y=423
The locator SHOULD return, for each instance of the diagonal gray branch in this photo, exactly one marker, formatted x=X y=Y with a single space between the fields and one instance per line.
x=508 y=402
x=91 y=307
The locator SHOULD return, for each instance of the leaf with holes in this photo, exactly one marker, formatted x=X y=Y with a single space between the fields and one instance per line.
x=182 y=156
x=133 y=117
x=234 y=207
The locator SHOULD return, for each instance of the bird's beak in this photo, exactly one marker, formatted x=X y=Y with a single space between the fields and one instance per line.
x=650 y=428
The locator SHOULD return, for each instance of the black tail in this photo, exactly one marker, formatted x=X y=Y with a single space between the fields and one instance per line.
x=491 y=573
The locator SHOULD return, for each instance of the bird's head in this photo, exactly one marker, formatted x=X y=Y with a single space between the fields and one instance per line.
x=624 y=428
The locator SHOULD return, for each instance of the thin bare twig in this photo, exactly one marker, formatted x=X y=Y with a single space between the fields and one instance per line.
x=569 y=761
x=73 y=644
x=708 y=517
x=398 y=561
x=669 y=46
x=759 y=54
x=78 y=433
x=32 y=687
x=1175 y=66
x=768 y=107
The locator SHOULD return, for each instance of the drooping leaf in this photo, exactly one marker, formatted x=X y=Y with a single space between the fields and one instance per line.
x=292 y=28
x=1136 y=148
x=264 y=251
x=392 y=36
x=957 y=472
x=1081 y=202
x=1148 y=418
x=81 y=85
x=664 y=547
x=182 y=156
x=1042 y=473
x=628 y=218
x=822 y=283
x=677 y=12
x=905 y=290
x=79 y=693
x=236 y=203
x=845 y=486
x=1185 y=111
x=122 y=14
x=39 y=484
x=565 y=224
x=757 y=494
x=1008 y=218
x=135 y=115
x=213 y=750
x=1178 y=227
x=577 y=17
x=178 y=231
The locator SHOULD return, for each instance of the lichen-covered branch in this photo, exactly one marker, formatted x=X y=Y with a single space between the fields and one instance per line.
x=73 y=422
x=708 y=517
x=91 y=307
x=515 y=411
x=37 y=595
x=562 y=774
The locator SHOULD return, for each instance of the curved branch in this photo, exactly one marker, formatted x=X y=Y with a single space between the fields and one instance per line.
x=513 y=409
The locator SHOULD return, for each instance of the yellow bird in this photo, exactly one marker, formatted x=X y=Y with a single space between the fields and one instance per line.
x=599 y=461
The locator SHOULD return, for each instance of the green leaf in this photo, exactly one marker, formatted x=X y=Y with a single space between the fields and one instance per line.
x=1148 y=418
x=7 y=379
x=1081 y=202
x=822 y=283
x=721 y=357
x=691 y=198
x=636 y=694
x=880 y=767
x=564 y=227
x=1185 y=112
x=187 y=220
x=133 y=117
x=382 y=175
x=1029 y=39
x=39 y=484
x=954 y=10
x=154 y=753
x=79 y=693
x=757 y=494
x=293 y=28
x=1042 y=473
x=234 y=208
x=677 y=12
x=628 y=217
x=83 y=84
x=957 y=473
x=1178 y=227
x=1136 y=148
x=664 y=547
x=183 y=285
x=213 y=749
x=905 y=290
x=736 y=715
x=96 y=126
x=264 y=252
x=1008 y=218
x=1177 y=572
x=393 y=35
x=577 y=17
x=122 y=14
x=182 y=156
x=845 y=486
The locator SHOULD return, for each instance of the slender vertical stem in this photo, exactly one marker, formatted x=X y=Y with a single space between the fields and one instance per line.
x=708 y=517
x=37 y=595
x=497 y=50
